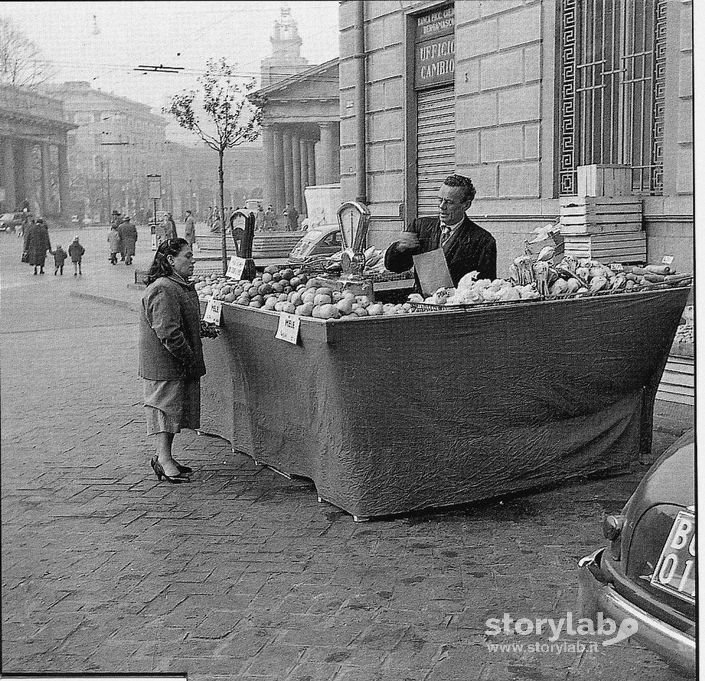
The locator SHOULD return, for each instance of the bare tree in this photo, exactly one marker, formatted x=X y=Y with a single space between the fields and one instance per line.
x=229 y=118
x=20 y=59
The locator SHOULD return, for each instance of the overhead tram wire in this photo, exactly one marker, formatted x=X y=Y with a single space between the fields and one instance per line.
x=145 y=68
x=183 y=70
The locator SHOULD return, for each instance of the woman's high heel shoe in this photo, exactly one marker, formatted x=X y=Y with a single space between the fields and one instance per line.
x=159 y=472
x=183 y=469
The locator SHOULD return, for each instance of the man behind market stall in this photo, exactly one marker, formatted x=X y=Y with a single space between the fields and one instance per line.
x=466 y=246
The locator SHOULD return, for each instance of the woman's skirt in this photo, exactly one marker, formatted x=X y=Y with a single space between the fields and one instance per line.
x=172 y=405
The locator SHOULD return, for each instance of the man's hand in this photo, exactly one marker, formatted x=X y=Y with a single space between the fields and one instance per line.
x=408 y=241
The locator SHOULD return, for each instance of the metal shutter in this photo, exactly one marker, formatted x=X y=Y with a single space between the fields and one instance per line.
x=435 y=150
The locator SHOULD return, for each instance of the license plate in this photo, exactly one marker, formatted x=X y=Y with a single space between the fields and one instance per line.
x=676 y=568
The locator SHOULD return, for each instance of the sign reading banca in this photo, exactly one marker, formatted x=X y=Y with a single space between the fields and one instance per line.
x=434 y=61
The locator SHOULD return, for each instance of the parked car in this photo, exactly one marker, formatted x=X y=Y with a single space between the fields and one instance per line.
x=648 y=571
x=324 y=240
x=9 y=222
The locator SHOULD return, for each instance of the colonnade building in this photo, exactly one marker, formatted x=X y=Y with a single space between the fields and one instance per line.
x=301 y=135
x=33 y=153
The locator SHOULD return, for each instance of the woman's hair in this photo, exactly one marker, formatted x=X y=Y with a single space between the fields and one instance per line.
x=160 y=265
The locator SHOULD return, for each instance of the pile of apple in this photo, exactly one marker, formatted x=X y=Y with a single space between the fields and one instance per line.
x=293 y=291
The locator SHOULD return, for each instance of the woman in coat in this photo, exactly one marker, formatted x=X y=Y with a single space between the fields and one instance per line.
x=36 y=244
x=170 y=353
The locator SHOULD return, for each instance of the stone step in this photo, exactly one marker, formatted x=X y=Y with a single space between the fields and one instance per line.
x=275 y=245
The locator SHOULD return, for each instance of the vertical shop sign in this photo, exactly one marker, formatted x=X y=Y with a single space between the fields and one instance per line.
x=434 y=60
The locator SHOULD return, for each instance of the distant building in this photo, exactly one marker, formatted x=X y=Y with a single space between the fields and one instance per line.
x=116 y=143
x=191 y=177
x=33 y=153
x=301 y=120
x=301 y=135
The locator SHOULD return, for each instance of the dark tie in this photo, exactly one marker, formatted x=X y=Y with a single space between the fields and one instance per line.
x=445 y=233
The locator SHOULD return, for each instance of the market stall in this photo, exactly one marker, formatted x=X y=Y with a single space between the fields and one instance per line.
x=391 y=414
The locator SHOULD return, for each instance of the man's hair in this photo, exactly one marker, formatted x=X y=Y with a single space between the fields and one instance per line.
x=462 y=181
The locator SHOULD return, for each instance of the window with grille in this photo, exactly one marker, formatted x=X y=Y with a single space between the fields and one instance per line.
x=612 y=58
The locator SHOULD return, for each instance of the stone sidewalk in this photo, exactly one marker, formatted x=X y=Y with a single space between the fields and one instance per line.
x=242 y=574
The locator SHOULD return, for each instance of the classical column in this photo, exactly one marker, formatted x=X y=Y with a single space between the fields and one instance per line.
x=296 y=172
x=326 y=153
x=28 y=175
x=288 y=168
x=311 y=153
x=269 y=172
x=64 y=197
x=8 y=174
x=45 y=199
x=278 y=171
x=303 y=153
x=335 y=162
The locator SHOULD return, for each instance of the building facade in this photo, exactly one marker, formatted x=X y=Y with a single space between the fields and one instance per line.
x=33 y=153
x=116 y=143
x=518 y=95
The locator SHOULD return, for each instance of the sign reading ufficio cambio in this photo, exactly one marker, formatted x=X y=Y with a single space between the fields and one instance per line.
x=434 y=61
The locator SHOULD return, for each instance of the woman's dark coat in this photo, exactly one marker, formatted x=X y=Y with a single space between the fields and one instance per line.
x=36 y=244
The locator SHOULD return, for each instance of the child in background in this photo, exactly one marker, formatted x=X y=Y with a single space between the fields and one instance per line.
x=114 y=244
x=60 y=256
x=76 y=252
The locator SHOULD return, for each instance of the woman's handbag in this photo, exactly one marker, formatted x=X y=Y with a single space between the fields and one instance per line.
x=25 y=256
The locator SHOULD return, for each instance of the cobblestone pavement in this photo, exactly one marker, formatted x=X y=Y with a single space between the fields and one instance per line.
x=242 y=574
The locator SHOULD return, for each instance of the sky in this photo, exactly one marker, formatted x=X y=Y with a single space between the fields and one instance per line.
x=102 y=42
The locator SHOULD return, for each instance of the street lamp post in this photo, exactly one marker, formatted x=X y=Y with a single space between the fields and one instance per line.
x=154 y=191
x=107 y=165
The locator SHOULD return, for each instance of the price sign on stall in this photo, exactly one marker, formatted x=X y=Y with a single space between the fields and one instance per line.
x=214 y=311
x=235 y=267
x=667 y=260
x=288 y=329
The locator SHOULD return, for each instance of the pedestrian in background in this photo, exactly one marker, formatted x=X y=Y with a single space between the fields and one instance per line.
x=60 y=256
x=259 y=218
x=170 y=354
x=169 y=227
x=292 y=218
x=270 y=219
x=115 y=220
x=114 y=244
x=36 y=244
x=190 y=229
x=128 y=238
x=76 y=252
